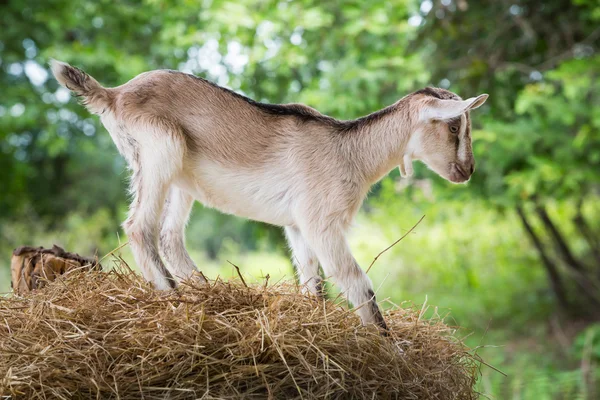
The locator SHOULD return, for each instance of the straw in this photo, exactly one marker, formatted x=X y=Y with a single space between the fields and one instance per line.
x=109 y=334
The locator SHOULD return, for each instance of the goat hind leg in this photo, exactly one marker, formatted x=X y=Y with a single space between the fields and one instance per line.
x=172 y=234
x=305 y=260
x=153 y=165
x=142 y=229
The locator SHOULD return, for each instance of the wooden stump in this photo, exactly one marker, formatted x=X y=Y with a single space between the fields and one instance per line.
x=32 y=267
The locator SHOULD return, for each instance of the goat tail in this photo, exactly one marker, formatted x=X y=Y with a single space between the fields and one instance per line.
x=94 y=96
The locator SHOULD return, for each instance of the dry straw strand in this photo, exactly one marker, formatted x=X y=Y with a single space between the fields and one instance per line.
x=395 y=243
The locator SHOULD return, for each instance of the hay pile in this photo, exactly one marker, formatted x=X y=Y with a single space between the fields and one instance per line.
x=110 y=335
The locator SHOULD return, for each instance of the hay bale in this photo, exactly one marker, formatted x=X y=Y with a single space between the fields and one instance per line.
x=32 y=267
x=110 y=335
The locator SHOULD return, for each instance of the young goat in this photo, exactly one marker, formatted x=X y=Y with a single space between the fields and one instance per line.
x=187 y=139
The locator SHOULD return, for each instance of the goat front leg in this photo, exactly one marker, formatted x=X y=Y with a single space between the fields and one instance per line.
x=305 y=261
x=332 y=250
x=172 y=234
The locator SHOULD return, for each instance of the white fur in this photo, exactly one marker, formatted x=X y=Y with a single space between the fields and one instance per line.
x=463 y=142
x=260 y=194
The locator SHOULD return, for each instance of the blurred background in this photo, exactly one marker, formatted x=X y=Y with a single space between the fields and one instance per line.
x=513 y=257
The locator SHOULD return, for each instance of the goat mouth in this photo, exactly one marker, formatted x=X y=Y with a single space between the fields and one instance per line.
x=458 y=174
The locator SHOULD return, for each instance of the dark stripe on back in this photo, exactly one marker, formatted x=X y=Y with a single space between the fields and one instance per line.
x=273 y=109
x=429 y=91
x=438 y=93
x=307 y=115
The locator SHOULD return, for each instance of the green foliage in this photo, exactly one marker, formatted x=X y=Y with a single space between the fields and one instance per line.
x=472 y=253
x=587 y=344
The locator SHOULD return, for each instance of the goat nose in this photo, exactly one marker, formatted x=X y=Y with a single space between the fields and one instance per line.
x=472 y=169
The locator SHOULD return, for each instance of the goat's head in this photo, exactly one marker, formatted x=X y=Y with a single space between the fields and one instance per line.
x=442 y=134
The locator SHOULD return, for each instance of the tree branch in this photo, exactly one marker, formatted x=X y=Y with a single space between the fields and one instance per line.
x=587 y=232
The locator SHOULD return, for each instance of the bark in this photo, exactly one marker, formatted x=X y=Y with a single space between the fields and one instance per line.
x=588 y=234
x=551 y=268
x=561 y=244
x=579 y=272
x=32 y=267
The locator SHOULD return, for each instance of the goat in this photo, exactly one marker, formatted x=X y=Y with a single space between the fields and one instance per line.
x=185 y=139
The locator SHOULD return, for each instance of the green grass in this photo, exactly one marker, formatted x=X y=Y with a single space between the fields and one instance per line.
x=4 y=278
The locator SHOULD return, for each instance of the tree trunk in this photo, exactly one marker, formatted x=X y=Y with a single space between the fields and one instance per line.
x=579 y=272
x=561 y=244
x=551 y=269
x=587 y=233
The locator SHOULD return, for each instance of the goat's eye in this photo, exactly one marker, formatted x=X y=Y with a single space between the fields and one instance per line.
x=453 y=128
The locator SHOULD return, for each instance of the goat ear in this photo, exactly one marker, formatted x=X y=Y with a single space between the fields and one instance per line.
x=448 y=109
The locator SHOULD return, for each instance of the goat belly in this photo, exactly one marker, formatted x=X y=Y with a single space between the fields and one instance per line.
x=257 y=194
